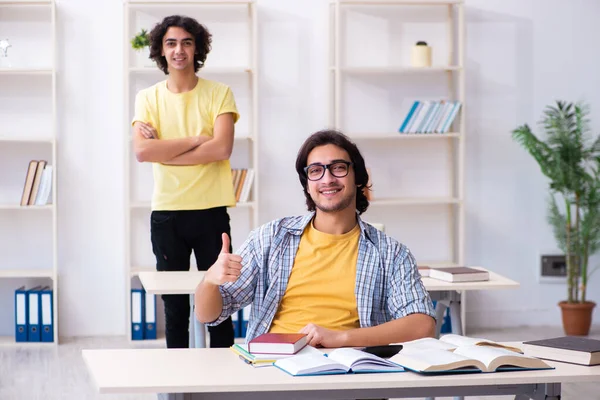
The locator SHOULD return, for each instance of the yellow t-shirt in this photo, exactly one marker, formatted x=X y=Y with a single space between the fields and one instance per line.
x=179 y=115
x=321 y=285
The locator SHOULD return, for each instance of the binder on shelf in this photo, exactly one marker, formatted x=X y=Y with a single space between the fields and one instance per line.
x=137 y=310
x=33 y=301
x=149 y=316
x=21 y=326
x=47 y=314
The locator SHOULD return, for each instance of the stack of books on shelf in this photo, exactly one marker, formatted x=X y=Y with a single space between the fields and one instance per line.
x=242 y=183
x=455 y=274
x=38 y=184
x=34 y=318
x=430 y=116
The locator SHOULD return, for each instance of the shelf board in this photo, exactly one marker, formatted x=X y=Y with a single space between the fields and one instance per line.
x=28 y=208
x=26 y=71
x=189 y=2
x=26 y=273
x=395 y=70
x=10 y=341
x=146 y=205
x=403 y=136
x=27 y=139
x=410 y=201
x=208 y=70
x=401 y=2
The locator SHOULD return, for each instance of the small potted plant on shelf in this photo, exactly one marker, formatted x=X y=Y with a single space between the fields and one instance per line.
x=571 y=160
x=139 y=43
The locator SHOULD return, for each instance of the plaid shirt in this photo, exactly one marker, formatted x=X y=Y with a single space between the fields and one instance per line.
x=388 y=285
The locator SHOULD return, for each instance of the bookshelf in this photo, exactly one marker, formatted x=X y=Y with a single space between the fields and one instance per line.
x=28 y=240
x=233 y=61
x=418 y=178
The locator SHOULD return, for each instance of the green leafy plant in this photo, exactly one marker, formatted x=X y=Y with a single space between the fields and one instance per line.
x=570 y=158
x=141 y=40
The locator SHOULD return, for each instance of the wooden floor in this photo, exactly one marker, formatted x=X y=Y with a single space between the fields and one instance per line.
x=31 y=373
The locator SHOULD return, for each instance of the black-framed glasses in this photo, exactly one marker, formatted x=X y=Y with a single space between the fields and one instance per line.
x=339 y=169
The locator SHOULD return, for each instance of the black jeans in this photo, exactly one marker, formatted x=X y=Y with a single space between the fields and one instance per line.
x=174 y=235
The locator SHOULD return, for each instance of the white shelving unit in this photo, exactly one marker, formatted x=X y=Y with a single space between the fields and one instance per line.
x=28 y=238
x=233 y=61
x=355 y=72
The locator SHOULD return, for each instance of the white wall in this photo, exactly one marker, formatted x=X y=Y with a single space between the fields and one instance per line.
x=519 y=58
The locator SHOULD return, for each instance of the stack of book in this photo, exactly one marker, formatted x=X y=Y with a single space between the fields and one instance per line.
x=38 y=184
x=430 y=116
x=242 y=183
x=455 y=274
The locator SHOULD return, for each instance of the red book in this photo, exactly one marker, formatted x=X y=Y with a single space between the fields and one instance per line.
x=277 y=343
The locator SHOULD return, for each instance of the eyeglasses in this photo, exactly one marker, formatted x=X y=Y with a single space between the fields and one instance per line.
x=339 y=169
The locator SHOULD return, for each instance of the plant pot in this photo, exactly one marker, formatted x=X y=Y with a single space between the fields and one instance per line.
x=577 y=317
x=143 y=58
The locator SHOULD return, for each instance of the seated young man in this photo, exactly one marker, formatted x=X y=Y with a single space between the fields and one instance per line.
x=327 y=274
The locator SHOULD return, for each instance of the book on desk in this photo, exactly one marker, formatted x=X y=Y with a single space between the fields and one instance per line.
x=571 y=349
x=278 y=343
x=460 y=354
x=265 y=359
x=339 y=361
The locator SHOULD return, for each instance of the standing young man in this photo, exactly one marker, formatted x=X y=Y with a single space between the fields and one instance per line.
x=184 y=126
x=327 y=274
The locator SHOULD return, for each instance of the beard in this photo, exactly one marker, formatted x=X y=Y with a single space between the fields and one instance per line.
x=340 y=205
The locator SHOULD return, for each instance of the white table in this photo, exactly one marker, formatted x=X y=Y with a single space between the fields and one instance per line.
x=449 y=295
x=177 y=282
x=219 y=374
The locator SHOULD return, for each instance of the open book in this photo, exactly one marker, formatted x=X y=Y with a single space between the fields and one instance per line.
x=464 y=359
x=452 y=341
x=338 y=361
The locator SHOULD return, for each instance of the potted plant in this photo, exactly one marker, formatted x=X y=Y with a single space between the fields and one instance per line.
x=139 y=42
x=570 y=158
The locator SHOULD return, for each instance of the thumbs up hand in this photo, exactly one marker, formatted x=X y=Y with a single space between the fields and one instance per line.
x=227 y=268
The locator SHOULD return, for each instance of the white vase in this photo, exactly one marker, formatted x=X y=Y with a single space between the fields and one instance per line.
x=143 y=58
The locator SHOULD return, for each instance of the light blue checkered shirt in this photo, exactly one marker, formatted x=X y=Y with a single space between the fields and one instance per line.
x=388 y=285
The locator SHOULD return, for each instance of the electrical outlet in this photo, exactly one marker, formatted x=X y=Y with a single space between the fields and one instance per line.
x=554 y=266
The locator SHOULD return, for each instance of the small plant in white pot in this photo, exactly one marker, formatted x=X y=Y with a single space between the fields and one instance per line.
x=141 y=44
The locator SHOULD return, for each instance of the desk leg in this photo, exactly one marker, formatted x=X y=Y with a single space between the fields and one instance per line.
x=174 y=396
x=455 y=317
x=197 y=329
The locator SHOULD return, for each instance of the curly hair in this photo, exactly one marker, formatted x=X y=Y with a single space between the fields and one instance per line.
x=202 y=40
x=329 y=136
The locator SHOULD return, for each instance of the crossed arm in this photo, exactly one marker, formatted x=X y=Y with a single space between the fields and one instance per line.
x=185 y=151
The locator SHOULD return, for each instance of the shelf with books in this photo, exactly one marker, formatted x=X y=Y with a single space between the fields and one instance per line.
x=401 y=136
x=27 y=273
x=29 y=82
x=233 y=61
x=416 y=159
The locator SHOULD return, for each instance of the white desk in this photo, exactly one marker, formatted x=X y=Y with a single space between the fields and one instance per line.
x=177 y=282
x=219 y=374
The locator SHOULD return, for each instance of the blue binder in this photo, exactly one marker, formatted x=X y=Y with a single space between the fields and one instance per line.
x=21 y=317
x=137 y=314
x=149 y=316
x=33 y=312
x=47 y=314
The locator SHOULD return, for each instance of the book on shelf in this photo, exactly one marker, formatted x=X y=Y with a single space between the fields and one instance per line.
x=430 y=116
x=38 y=184
x=277 y=343
x=465 y=359
x=266 y=359
x=570 y=349
x=459 y=274
x=338 y=361
x=242 y=183
x=452 y=341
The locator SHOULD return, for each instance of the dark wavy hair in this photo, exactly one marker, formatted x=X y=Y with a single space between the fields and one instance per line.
x=329 y=136
x=202 y=40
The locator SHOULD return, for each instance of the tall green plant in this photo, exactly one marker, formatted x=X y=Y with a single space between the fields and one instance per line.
x=571 y=160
